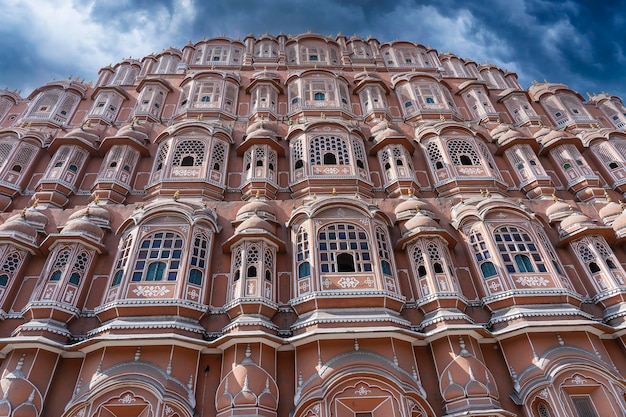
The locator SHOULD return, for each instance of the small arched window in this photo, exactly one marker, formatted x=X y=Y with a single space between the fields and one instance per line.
x=488 y=269
x=543 y=411
x=251 y=272
x=465 y=160
x=524 y=263
x=167 y=248
x=195 y=276
x=330 y=159
x=299 y=164
x=304 y=270
x=56 y=275
x=593 y=267
x=187 y=161
x=155 y=271
x=345 y=262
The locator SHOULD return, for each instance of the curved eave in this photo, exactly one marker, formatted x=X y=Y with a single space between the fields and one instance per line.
x=81 y=238
x=136 y=144
x=113 y=88
x=420 y=232
x=274 y=83
x=252 y=234
x=15 y=240
x=604 y=231
x=261 y=140
x=393 y=140
x=159 y=81
x=517 y=141
x=73 y=140
x=561 y=141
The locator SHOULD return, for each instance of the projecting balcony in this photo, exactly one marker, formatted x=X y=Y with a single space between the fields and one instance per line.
x=431 y=111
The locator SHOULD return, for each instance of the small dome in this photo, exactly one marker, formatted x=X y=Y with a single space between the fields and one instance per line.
x=386 y=134
x=83 y=226
x=262 y=208
x=88 y=132
x=421 y=221
x=379 y=127
x=409 y=207
x=136 y=130
x=97 y=214
x=619 y=225
x=260 y=130
x=541 y=133
x=20 y=227
x=500 y=130
x=551 y=137
x=610 y=212
x=255 y=223
x=575 y=222
x=558 y=211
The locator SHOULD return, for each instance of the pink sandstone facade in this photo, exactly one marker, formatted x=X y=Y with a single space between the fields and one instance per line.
x=307 y=226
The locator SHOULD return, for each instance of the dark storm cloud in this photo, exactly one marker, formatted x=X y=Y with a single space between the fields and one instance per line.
x=576 y=43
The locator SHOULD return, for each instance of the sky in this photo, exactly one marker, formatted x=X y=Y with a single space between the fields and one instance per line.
x=577 y=43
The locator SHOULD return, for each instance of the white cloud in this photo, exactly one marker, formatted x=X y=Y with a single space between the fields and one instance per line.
x=63 y=33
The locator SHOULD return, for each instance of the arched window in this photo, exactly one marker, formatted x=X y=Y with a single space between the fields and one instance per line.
x=197 y=259
x=322 y=146
x=345 y=262
x=482 y=255
x=488 y=269
x=189 y=153
x=330 y=159
x=303 y=253
x=344 y=248
x=158 y=257
x=463 y=153
x=304 y=270
x=383 y=251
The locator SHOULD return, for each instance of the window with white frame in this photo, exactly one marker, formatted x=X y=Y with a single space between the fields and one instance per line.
x=167 y=64
x=125 y=74
x=107 y=105
x=119 y=164
x=344 y=248
x=5 y=106
x=329 y=150
x=432 y=266
x=66 y=164
x=303 y=254
x=151 y=100
x=266 y=49
x=315 y=92
x=518 y=250
x=158 y=257
x=12 y=260
x=372 y=98
x=260 y=163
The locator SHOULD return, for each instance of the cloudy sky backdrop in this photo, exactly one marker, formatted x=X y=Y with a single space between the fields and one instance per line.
x=578 y=43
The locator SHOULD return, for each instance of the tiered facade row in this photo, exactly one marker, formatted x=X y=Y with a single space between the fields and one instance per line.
x=311 y=226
